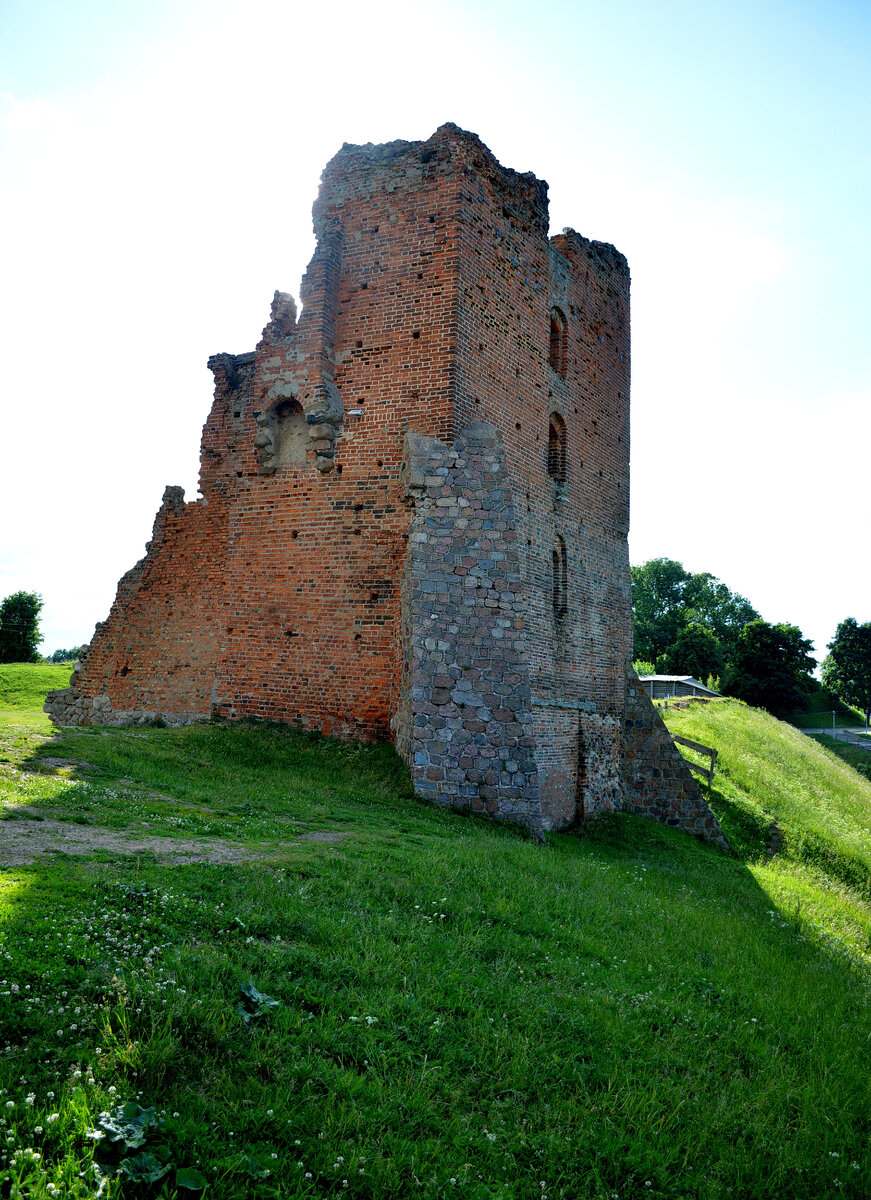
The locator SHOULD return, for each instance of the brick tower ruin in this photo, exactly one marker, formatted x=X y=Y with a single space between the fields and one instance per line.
x=414 y=509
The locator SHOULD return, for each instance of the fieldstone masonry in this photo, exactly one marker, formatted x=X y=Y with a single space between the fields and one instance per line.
x=465 y=656
x=414 y=509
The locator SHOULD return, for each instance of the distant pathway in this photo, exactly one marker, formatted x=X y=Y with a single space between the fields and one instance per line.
x=853 y=737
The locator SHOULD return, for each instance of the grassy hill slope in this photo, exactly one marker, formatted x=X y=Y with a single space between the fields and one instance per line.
x=23 y=686
x=622 y=1013
x=776 y=787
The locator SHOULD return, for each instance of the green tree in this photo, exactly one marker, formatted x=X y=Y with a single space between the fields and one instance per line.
x=666 y=599
x=62 y=656
x=725 y=613
x=771 y=668
x=19 y=627
x=696 y=652
x=658 y=604
x=847 y=669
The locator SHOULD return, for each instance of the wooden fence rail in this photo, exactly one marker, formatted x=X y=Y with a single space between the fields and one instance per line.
x=708 y=772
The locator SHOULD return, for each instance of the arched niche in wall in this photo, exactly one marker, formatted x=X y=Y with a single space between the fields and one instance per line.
x=559 y=578
x=289 y=433
x=558 y=354
x=556 y=448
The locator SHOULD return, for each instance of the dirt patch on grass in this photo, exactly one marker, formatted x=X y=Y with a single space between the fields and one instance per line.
x=53 y=763
x=31 y=836
x=775 y=840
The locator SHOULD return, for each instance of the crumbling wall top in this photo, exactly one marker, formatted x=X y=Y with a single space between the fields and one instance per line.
x=602 y=255
x=359 y=170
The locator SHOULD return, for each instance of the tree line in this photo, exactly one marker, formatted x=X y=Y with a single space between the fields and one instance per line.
x=19 y=631
x=693 y=624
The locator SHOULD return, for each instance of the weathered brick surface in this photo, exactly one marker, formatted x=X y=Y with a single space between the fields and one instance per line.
x=415 y=495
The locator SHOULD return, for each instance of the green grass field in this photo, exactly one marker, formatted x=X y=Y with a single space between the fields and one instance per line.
x=23 y=687
x=460 y=1012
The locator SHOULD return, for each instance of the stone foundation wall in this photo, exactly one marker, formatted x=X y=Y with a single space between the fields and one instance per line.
x=466 y=686
x=657 y=782
x=66 y=708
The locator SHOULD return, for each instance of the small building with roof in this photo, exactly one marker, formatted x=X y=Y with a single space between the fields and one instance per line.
x=666 y=687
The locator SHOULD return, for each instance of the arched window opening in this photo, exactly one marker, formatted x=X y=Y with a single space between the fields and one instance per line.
x=558 y=356
x=290 y=437
x=560 y=579
x=556 y=448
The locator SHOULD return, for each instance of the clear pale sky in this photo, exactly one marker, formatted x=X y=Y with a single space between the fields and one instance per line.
x=159 y=159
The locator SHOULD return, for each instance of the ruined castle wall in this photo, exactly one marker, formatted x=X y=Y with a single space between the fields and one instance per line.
x=155 y=654
x=316 y=556
x=290 y=565
x=414 y=507
x=158 y=651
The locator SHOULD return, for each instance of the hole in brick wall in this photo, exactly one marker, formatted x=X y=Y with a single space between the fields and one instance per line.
x=432 y=220
x=125 y=670
x=238 y=474
x=237 y=415
x=375 y=230
x=517 y=372
x=290 y=633
x=420 y=274
x=357 y=532
x=516 y=424
x=480 y=345
x=363 y=286
x=416 y=333
x=339 y=469
x=359 y=345
x=426 y=155
x=477 y=401
x=357 y=637
x=373 y=596
x=294 y=533
x=379 y=462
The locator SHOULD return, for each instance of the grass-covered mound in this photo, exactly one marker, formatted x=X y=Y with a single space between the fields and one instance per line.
x=624 y=1012
x=776 y=788
x=23 y=686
